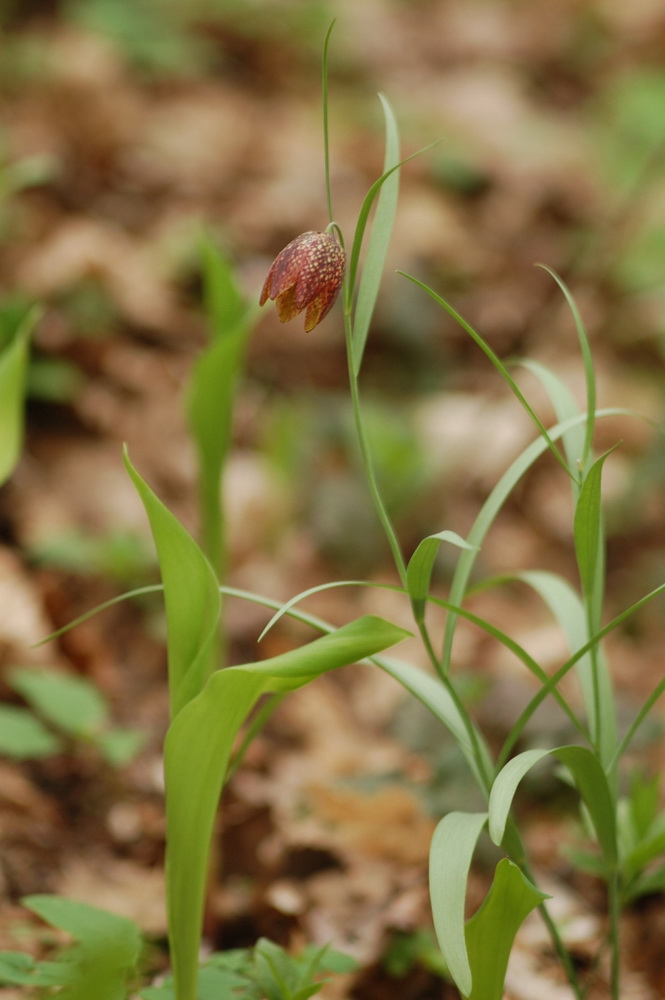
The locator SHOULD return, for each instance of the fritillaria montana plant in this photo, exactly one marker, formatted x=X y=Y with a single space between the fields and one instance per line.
x=210 y=706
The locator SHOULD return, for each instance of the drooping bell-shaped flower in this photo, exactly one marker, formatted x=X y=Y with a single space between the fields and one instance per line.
x=306 y=274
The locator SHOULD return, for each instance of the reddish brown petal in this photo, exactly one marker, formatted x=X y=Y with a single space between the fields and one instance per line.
x=285 y=268
x=286 y=305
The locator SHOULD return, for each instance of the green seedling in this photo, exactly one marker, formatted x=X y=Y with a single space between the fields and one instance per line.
x=66 y=712
x=264 y=972
x=100 y=964
x=108 y=955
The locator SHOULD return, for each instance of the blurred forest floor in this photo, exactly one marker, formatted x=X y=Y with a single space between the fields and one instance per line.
x=127 y=127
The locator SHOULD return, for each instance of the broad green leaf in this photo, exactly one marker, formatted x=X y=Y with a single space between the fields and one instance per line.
x=591 y=784
x=23 y=737
x=451 y=852
x=377 y=247
x=197 y=752
x=421 y=564
x=88 y=924
x=71 y=703
x=491 y=930
x=211 y=394
x=191 y=597
x=13 y=367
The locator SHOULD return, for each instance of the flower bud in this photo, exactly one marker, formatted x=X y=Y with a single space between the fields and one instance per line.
x=306 y=274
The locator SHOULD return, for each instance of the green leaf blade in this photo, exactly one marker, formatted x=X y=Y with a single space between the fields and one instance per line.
x=191 y=597
x=588 y=526
x=453 y=845
x=197 y=753
x=377 y=248
x=591 y=783
x=421 y=564
x=491 y=931
x=13 y=369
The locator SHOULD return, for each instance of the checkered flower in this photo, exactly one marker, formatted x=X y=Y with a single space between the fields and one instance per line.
x=306 y=274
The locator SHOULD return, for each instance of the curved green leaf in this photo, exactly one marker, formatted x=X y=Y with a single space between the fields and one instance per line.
x=588 y=527
x=197 y=752
x=421 y=564
x=498 y=364
x=587 y=359
x=377 y=247
x=493 y=505
x=432 y=694
x=191 y=597
x=565 y=408
x=491 y=930
x=297 y=598
x=453 y=845
x=590 y=780
x=566 y=606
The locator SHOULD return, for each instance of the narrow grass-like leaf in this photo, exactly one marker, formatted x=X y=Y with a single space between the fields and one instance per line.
x=197 y=752
x=432 y=694
x=320 y=588
x=211 y=393
x=491 y=509
x=491 y=930
x=568 y=609
x=451 y=852
x=191 y=598
x=377 y=247
x=421 y=564
x=587 y=359
x=13 y=367
x=588 y=526
x=153 y=588
x=590 y=781
x=565 y=408
x=500 y=367
x=559 y=674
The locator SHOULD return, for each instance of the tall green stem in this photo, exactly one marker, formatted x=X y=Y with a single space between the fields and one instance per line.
x=614 y=906
x=326 y=142
x=366 y=456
